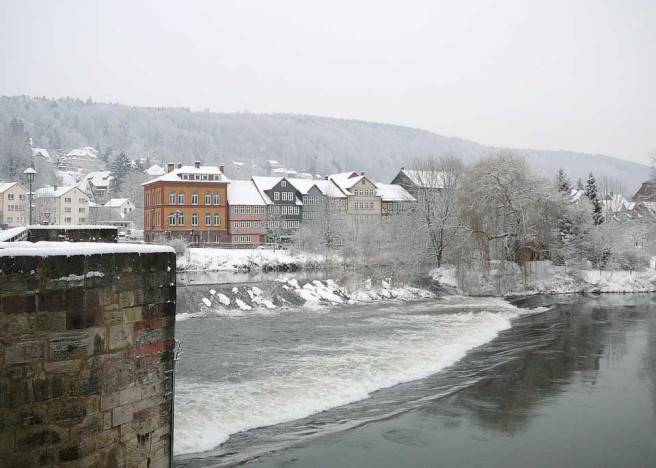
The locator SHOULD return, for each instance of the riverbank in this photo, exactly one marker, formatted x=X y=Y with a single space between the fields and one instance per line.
x=507 y=279
x=247 y=260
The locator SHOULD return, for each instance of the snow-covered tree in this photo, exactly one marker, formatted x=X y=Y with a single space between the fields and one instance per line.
x=564 y=184
x=592 y=194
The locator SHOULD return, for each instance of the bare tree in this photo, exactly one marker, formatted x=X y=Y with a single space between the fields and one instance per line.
x=437 y=181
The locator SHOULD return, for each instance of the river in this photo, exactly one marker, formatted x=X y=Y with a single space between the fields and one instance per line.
x=475 y=381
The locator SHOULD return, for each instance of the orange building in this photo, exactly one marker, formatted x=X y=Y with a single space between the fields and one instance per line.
x=188 y=202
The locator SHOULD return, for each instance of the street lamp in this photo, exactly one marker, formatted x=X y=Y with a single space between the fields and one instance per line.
x=30 y=173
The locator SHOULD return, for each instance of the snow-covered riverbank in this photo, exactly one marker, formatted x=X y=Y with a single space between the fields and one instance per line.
x=289 y=293
x=210 y=259
x=506 y=279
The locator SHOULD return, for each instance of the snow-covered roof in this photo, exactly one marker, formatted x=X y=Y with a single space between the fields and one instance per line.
x=616 y=202
x=45 y=249
x=155 y=170
x=117 y=202
x=237 y=163
x=346 y=180
x=326 y=187
x=244 y=192
x=50 y=191
x=393 y=193
x=97 y=179
x=7 y=234
x=192 y=174
x=304 y=175
x=575 y=195
x=426 y=179
x=267 y=183
x=86 y=152
x=4 y=186
x=42 y=152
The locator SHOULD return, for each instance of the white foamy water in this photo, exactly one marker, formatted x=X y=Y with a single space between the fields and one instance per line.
x=299 y=368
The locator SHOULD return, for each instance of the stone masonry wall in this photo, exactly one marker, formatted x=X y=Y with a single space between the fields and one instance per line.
x=86 y=354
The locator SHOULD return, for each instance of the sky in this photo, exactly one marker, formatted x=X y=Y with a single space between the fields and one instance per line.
x=575 y=75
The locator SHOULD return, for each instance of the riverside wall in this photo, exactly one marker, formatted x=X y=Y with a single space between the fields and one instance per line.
x=87 y=357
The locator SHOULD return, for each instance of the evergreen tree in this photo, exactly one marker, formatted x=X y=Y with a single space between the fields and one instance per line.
x=120 y=168
x=579 y=184
x=564 y=184
x=591 y=193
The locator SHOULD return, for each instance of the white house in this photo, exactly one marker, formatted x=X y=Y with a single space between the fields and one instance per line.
x=13 y=204
x=119 y=208
x=61 y=205
x=97 y=185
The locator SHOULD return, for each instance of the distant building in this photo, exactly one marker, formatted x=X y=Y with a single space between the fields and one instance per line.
x=415 y=181
x=119 y=208
x=155 y=170
x=646 y=193
x=247 y=214
x=188 y=202
x=284 y=207
x=85 y=158
x=319 y=196
x=97 y=186
x=13 y=205
x=363 y=201
x=61 y=205
x=41 y=153
x=394 y=199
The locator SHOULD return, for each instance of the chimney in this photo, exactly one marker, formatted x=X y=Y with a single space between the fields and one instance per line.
x=403 y=168
x=170 y=167
x=197 y=164
x=362 y=173
x=221 y=168
x=179 y=165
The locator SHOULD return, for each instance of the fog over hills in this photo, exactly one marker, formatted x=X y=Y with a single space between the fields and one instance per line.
x=302 y=142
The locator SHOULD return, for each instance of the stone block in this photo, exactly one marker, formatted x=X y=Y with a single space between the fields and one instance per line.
x=80 y=344
x=26 y=351
x=48 y=387
x=63 y=367
x=38 y=437
x=67 y=413
x=122 y=415
x=132 y=314
x=129 y=395
x=120 y=336
x=24 y=303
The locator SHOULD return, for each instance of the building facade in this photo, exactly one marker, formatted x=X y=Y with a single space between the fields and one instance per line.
x=247 y=214
x=61 y=205
x=188 y=202
x=394 y=200
x=284 y=207
x=13 y=205
x=363 y=201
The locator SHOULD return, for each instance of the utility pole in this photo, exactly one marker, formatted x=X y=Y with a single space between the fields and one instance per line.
x=30 y=173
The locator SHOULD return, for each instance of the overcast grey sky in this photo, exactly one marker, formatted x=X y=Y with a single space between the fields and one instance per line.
x=578 y=75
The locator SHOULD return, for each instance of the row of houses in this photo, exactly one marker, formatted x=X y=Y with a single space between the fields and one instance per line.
x=57 y=205
x=200 y=204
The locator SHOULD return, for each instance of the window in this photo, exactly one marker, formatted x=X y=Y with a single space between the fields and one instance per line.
x=242 y=239
x=21 y=197
x=284 y=209
x=217 y=198
x=67 y=200
x=82 y=200
x=276 y=196
x=83 y=220
x=81 y=210
x=172 y=198
x=283 y=183
x=194 y=198
x=181 y=219
x=67 y=209
x=10 y=196
x=181 y=199
x=194 y=219
x=172 y=219
x=208 y=219
x=208 y=198
x=217 y=218
x=67 y=220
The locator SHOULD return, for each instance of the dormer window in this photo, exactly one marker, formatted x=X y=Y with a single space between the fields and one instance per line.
x=283 y=183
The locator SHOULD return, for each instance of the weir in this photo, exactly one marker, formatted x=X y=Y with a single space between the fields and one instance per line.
x=86 y=354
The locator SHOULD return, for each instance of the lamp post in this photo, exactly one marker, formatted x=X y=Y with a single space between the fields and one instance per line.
x=30 y=173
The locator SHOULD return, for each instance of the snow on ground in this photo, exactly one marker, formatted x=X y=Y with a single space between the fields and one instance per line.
x=288 y=294
x=210 y=259
x=545 y=278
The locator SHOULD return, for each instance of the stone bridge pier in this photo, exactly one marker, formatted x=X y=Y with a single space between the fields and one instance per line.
x=86 y=355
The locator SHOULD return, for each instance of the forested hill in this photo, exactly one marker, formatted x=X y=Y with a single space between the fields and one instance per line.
x=305 y=143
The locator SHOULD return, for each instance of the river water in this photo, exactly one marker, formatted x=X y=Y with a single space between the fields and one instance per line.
x=468 y=381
